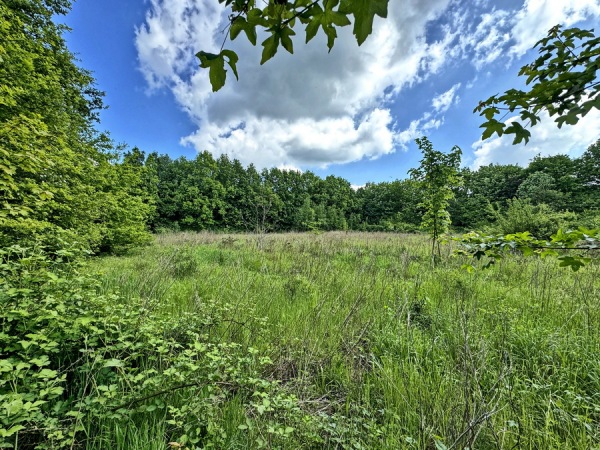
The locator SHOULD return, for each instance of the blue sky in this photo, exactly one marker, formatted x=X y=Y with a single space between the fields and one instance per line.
x=353 y=113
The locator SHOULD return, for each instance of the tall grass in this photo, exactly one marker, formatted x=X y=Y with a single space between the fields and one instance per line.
x=387 y=350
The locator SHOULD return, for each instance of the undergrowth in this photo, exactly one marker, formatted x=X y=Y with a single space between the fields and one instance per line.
x=331 y=341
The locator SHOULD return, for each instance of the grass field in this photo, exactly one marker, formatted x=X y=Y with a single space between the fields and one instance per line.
x=358 y=342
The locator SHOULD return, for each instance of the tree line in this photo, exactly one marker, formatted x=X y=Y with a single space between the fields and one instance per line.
x=221 y=194
x=61 y=180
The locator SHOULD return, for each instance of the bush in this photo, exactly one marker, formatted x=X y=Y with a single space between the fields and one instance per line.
x=589 y=219
x=71 y=358
x=540 y=220
x=397 y=224
x=44 y=235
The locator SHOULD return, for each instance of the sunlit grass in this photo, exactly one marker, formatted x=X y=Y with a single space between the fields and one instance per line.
x=502 y=358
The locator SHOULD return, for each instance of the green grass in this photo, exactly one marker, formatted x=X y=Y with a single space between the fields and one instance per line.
x=380 y=349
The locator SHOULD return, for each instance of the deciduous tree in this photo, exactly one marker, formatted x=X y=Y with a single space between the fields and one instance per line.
x=58 y=176
x=438 y=173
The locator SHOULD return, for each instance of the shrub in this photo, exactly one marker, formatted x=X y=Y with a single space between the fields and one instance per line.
x=540 y=220
x=71 y=358
x=589 y=219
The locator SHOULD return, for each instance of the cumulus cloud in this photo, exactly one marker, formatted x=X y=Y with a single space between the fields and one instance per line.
x=267 y=141
x=545 y=139
x=312 y=108
x=171 y=35
x=316 y=108
x=533 y=21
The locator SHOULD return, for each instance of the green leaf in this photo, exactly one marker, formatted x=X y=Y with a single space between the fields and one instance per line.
x=237 y=26
x=240 y=24
x=5 y=366
x=216 y=69
x=575 y=263
x=470 y=268
x=232 y=59
x=331 y=36
x=255 y=17
x=489 y=113
x=492 y=126
x=46 y=373
x=337 y=18
x=270 y=47
x=286 y=41
x=570 y=119
x=520 y=133
x=114 y=363
x=364 y=12
x=548 y=252
x=311 y=29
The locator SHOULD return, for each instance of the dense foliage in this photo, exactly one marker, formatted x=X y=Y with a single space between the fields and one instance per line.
x=73 y=360
x=59 y=178
x=208 y=194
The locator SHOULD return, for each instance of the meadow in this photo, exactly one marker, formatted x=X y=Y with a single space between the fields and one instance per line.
x=355 y=341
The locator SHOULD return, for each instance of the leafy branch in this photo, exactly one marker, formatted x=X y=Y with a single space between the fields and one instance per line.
x=278 y=19
x=563 y=83
x=494 y=247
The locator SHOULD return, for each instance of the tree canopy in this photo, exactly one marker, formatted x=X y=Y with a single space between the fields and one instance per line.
x=59 y=177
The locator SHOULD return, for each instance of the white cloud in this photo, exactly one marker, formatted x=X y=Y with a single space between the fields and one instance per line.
x=486 y=43
x=267 y=141
x=507 y=34
x=317 y=108
x=312 y=108
x=546 y=139
x=536 y=17
x=171 y=35
x=443 y=102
